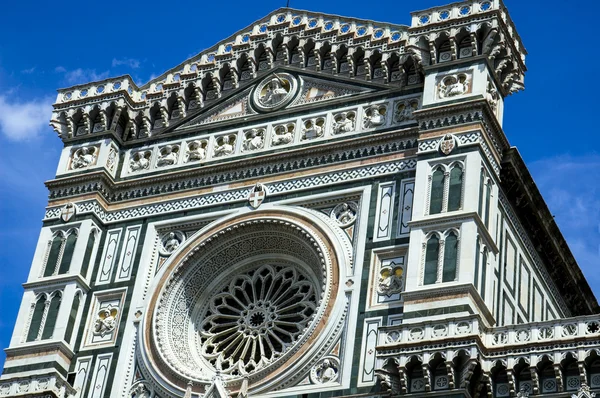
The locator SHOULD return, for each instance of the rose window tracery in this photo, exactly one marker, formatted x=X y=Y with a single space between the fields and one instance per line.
x=256 y=318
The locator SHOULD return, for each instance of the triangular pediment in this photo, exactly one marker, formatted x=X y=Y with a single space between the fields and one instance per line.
x=310 y=90
x=238 y=106
x=319 y=90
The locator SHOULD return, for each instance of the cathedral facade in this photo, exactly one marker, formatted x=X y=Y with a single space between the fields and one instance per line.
x=316 y=206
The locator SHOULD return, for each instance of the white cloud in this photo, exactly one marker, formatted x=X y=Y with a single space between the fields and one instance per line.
x=79 y=76
x=28 y=71
x=571 y=189
x=21 y=121
x=130 y=62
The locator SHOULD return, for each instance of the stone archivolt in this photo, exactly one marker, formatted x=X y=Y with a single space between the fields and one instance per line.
x=277 y=282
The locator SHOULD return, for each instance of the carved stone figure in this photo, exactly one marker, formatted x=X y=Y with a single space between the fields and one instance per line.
x=171 y=242
x=325 y=372
x=168 y=156
x=106 y=321
x=374 y=117
x=140 y=391
x=225 y=148
x=344 y=213
x=283 y=135
x=196 y=151
x=254 y=140
x=312 y=129
x=140 y=161
x=390 y=281
x=343 y=123
x=83 y=158
x=404 y=112
x=452 y=86
x=492 y=96
x=275 y=92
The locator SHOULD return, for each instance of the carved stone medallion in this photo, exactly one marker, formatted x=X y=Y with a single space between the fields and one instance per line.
x=344 y=213
x=326 y=371
x=275 y=92
x=171 y=242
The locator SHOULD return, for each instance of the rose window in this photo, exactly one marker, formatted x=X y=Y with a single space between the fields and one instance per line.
x=256 y=318
x=245 y=298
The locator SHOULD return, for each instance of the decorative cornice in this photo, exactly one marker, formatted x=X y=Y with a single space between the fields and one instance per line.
x=57 y=281
x=236 y=195
x=244 y=168
x=39 y=347
x=440 y=220
x=378 y=53
x=547 y=241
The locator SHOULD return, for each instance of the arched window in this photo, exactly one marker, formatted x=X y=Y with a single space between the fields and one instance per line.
x=455 y=189
x=481 y=188
x=36 y=319
x=437 y=191
x=431 y=260
x=484 y=262
x=488 y=197
x=55 y=249
x=450 y=258
x=72 y=317
x=445 y=52
x=67 y=256
x=87 y=257
x=51 y=317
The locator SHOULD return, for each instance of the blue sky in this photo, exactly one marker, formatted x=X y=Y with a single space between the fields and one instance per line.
x=50 y=45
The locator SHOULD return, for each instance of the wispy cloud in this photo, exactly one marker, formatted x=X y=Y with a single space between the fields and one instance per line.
x=130 y=62
x=572 y=191
x=28 y=71
x=21 y=121
x=80 y=75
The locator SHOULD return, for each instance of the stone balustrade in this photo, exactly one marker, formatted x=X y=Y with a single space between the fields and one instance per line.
x=48 y=385
x=558 y=356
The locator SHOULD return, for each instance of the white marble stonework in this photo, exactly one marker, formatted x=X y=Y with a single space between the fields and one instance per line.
x=315 y=205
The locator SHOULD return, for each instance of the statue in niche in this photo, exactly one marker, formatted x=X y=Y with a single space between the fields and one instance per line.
x=390 y=281
x=140 y=161
x=343 y=123
x=374 y=117
x=452 y=86
x=83 y=158
x=225 y=148
x=283 y=135
x=313 y=129
x=404 y=112
x=168 y=156
x=326 y=372
x=254 y=140
x=275 y=92
x=106 y=321
x=140 y=391
x=196 y=151
x=171 y=242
